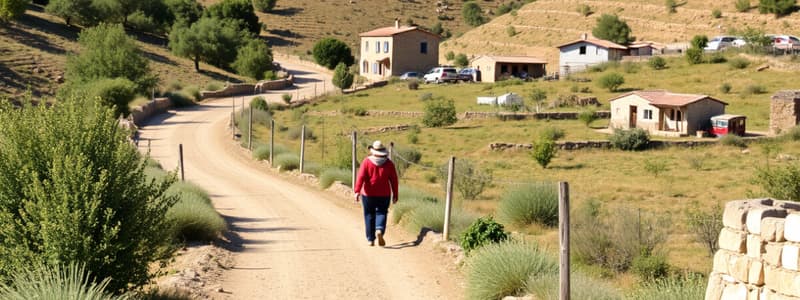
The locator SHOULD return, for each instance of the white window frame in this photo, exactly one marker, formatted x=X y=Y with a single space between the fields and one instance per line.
x=378 y=47
x=386 y=47
x=648 y=114
x=366 y=46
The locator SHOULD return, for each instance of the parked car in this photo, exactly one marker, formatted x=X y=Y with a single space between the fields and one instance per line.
x=441 y=74
x=784 y=41
x=469 y=75
x=409 y=75
x=720 y=42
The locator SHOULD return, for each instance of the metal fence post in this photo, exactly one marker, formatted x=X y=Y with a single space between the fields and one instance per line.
x=448 y=204
x=302 y=148
x=563 y=229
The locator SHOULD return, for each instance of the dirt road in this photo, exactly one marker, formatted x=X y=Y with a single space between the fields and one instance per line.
x=292 y=241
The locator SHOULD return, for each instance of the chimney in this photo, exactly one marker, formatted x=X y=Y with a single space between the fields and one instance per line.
x=584 y=36
x=397 y=23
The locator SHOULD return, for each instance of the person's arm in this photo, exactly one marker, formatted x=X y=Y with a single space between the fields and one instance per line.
x=394 y=182
x=359 y=180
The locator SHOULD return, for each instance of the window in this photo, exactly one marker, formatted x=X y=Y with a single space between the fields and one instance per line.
x=679 y=116
x=582 y=50
x=423 y=47
x=366 y=46
x=385 y=47
x=374 y=68
x=377 y=47
x=648 y=114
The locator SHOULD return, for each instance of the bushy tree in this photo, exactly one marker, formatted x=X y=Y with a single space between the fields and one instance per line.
x=543 y=152
x=472 y=14
x=780 y=182
x=81 y=11
x=12 y=9
x=611 y=81
x=264 y=5
x=439 y=113
x=211 y=40
x=777 y=7
x=461 y=60
x=587 y=116
x=73 y=190
x=117 y=93
x=630 y=140
x=237 y=10
x=612 y=28
x=342 y=78
x=538 y=96
x=657 y=63
x=699 y=41
x=259 y=103
x=109 y=53
x=469 y=179
x=254 y=59
x=694 y=56
x=437 y=28
x=329 y=52
x=185 y=11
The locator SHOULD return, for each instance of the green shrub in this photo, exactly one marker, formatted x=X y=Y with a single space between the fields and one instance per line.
x=264 y=5
x=261 y=152
x=439 y=113
x=413 y=84
x=546 y=286
x=115 y=93
x=670 y=5
x=259 y=103
x=472 y=14
x=180 y=99
x=780 y=182
x=213 y=86
x=672 y=288
x=192 y=91
x=655 y=166
x=69 y=179
x=330 y=175
x=657 y=63
x=551 y=133
x=584 y=10
x=195 y=219
x=630 y=67
x=650 y=267
x=733 y=140
x=793 y=134
x=329 y=52
x=601 y=67
x=511 y=31
x=725 y=88
x=543 y=151
x=310 y=167
x=55 y=283
x=754 y=89
x=287 y=98
x=294 y=133
x=469 y=180
x=529 y=203
x=430 y=214
x=587 y=116
x=630 y=139
x=405 y=157
x=499 y=270
x=409 y=199
x=694 y=56
x=182 y=187
x=716 y=13
x=742 y=5
x=717 y=58
x=287 y=161
x=611 y=81
x=610 y=27
x=484 y=231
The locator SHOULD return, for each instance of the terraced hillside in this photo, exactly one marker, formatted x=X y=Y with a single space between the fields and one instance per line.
x=34 y=49
x=294 y=26
x=543 y=24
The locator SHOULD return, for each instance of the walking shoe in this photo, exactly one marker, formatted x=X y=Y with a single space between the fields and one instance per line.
x=381 y=242
x=371 y=243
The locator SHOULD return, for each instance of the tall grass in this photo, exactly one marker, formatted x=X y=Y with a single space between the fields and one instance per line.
x=530 y=203
x=193 y=217
x=418 y=210
x=672 y=288
x=335 y=174
x=546 y=286
x=261 y=151
x=409 y=199
x=287 y=161
x=499 y=270
x=56 y=283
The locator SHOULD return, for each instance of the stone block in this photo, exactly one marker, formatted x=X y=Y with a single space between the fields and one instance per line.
x=772 y=276
x=772 y=254
x=756 y=273
x=787 y=205
x=735 y=214
x=790 y=257
x=738 y=267
x=734 y=292
x=721 y=259
x=772 y=229
x=758 y=213
x=714 y=288
x=755 y=246
x=791 y=230
x=753 y=293
x=733 y=240
x=789 y=283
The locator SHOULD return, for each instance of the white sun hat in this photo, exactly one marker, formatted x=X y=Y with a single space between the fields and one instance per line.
x=378 y=149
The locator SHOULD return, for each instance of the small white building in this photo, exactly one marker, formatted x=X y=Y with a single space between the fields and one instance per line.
x=577 y=55
x=507 y=99
x=664 y=113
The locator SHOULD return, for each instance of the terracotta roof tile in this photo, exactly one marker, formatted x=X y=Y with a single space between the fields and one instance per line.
x=664 y=98
x=388 y=31
x=516 y=59
x=594 y=41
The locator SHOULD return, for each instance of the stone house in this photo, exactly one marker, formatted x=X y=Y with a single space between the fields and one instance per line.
x=784 y=111
x=392 y=51
x=494 y=68
x=663 y=113
x=578 y=55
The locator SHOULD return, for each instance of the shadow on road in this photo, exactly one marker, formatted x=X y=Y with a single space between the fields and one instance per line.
x=420 y=238
x=232 y=241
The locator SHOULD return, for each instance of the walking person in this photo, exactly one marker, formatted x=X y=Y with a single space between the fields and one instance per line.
x=376 y=184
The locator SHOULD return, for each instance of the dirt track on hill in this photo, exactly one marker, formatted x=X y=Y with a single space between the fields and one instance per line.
x=292 y=241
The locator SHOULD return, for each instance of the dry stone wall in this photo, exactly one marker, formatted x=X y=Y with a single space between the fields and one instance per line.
x=152 y=108
x=759 y=252
x=784 y=111
x=238 y=89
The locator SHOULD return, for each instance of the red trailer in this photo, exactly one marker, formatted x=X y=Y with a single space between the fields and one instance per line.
x=728 y=124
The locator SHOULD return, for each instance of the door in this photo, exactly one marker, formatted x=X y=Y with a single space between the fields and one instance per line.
x=633 y=112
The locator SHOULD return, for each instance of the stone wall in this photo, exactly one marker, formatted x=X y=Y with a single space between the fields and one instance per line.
x=784 y=111
x=237 y=89
x=537 y=116
x=759 y=252
x=579 y=145
x=142 y=113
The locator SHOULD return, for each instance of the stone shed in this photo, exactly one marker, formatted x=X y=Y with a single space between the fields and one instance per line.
x=784 y=111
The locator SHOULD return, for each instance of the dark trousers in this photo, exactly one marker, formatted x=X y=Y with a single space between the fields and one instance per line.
x=375 y=209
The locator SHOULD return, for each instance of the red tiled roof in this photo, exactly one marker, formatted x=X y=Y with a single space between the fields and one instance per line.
x=390 y=31
x=516 y=59
x=664 y=98
x=597 y=42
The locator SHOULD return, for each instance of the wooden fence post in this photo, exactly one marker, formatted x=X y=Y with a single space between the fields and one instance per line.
x=448 y=204
x=563 y=229
x=180 y=155
x=250 y=131
x=391 y=150
x=272 y=143
x=353 y=159
x=302 y=147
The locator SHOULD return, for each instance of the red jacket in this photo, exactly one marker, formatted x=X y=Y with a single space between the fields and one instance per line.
x=376 y=181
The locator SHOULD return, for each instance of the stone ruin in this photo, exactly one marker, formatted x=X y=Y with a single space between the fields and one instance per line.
x=784 y=111
x=759 y=252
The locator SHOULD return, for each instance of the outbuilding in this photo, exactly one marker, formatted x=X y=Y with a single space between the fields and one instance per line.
x=496 y=68
x=663 y=113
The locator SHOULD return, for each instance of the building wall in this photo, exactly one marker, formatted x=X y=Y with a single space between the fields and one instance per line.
x=784 y=111
x=571 y=61
x=620 y=113
x=488 y=67
x=698 y=115
x=407 y=57
x=371 y=56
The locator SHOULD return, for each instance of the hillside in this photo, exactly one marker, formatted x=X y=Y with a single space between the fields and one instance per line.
x=34 y=49
x=545 y=23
